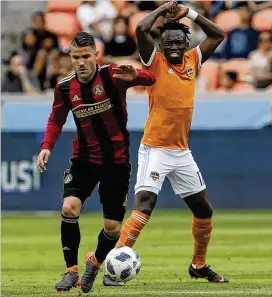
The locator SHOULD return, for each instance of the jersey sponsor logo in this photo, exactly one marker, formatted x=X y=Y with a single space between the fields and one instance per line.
x=171 y=71
x=190 y=71
x=68 y=178
x=98 y=90
x=75 y=98
x=91 y=109
x=155 y=175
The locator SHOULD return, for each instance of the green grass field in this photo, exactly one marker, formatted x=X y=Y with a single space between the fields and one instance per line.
x=241 y=248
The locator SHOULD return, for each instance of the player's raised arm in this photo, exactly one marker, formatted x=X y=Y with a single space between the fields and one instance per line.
x=143 y=29
x=53 y=129
x=215 y=35
x=129 y=76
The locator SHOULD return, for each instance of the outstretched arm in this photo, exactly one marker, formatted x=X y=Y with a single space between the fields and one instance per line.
x=127 y=76
x=144 y=39
x=215 y=34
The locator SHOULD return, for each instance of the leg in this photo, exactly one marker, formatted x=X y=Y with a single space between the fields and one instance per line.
x=202 y=225
x=153 y=165
x=76 y=189
x=189 y=184
x=113 y=191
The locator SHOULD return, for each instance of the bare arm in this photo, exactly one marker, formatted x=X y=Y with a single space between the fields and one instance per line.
x=144 y=39
x=27 y=86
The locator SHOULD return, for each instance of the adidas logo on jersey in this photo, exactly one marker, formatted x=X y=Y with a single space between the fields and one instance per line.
x=171 y=71
x=76 y=98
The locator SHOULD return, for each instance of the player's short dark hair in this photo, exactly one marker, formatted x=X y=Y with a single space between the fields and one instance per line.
x=176 y=26
x=83 y=39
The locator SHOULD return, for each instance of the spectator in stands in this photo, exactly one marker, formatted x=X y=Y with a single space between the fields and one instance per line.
x=261 y=61
x=121 y=44
x=29 y=48
x=95 y=17
x=229 y=83
x=44 y=58
x=39 y=26
x=18 y=78
x=242 y=40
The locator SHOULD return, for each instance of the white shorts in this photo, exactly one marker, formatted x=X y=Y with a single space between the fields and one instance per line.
x=154 y=164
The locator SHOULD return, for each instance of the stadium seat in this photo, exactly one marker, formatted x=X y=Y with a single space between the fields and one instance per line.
x=210 y=72
x=241 y=66
x=134 y=20
x=62 y=24
x=227 y=20
x=262 y=20
x=61 y=6
x=64 y=42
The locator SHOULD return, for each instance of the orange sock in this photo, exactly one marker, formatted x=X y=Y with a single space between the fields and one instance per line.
x=72 y=269
x=201 y=229
x=132 y=228
x=95 y=262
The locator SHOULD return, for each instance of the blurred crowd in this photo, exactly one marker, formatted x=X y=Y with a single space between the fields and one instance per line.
x=242 y=63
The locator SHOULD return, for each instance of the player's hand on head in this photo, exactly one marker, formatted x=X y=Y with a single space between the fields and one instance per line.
x=169 y=7
x=125 y=72
x=178 y=12
x=43 y=159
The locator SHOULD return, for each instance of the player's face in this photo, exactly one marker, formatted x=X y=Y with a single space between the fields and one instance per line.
x=84 y=61
x=174 y=45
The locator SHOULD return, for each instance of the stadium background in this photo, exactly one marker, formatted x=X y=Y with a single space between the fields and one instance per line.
x=231 y=140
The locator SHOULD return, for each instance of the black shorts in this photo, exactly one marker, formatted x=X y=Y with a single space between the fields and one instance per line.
x=81 y=179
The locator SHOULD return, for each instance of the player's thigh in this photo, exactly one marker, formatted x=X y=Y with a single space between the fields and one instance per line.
x=113 y=190
x=80 y=180
x=153 y=165
x=186 y=179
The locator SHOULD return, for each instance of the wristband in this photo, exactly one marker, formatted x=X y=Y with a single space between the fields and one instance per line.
x=192 y=14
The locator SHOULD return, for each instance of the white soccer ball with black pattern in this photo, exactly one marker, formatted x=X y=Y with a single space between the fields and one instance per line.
x=123 y=264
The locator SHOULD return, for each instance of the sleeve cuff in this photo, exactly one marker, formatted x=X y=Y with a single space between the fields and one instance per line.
x=150 y=60
x=200 y=65
x=47 y=146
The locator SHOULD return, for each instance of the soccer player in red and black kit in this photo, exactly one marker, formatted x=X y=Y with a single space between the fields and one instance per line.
x=97 y=98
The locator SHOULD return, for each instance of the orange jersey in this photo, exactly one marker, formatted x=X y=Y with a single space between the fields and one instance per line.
x=171 y=100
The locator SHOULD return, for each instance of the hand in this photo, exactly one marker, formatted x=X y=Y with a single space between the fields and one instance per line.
x=43 y=159
x=177 y=13
x=168 y=7
x=125 y=72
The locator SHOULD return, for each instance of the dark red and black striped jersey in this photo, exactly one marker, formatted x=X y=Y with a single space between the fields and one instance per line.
x=100 y=112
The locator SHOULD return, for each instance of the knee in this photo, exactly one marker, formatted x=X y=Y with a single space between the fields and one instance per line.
x=71 y=208
x=207 y=211
x=145 y=202
x=112 y=228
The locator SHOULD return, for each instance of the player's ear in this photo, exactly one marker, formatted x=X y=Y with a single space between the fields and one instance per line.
x=96 y=53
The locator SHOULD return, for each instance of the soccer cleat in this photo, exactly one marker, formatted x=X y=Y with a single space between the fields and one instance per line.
x=69 y=280
x=89 y=276
x=109 y=282
x=207 y=273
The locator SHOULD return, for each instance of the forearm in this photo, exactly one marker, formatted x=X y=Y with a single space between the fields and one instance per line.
x=144 y=78
x=146 y=24
x=209 y=28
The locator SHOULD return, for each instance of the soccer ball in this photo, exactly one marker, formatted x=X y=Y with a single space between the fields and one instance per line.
x=122 y=264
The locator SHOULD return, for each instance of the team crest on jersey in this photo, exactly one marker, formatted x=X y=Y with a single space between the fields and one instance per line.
x=154 y=175
x=190 y=71
x=68 y=178
x=98 y=90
